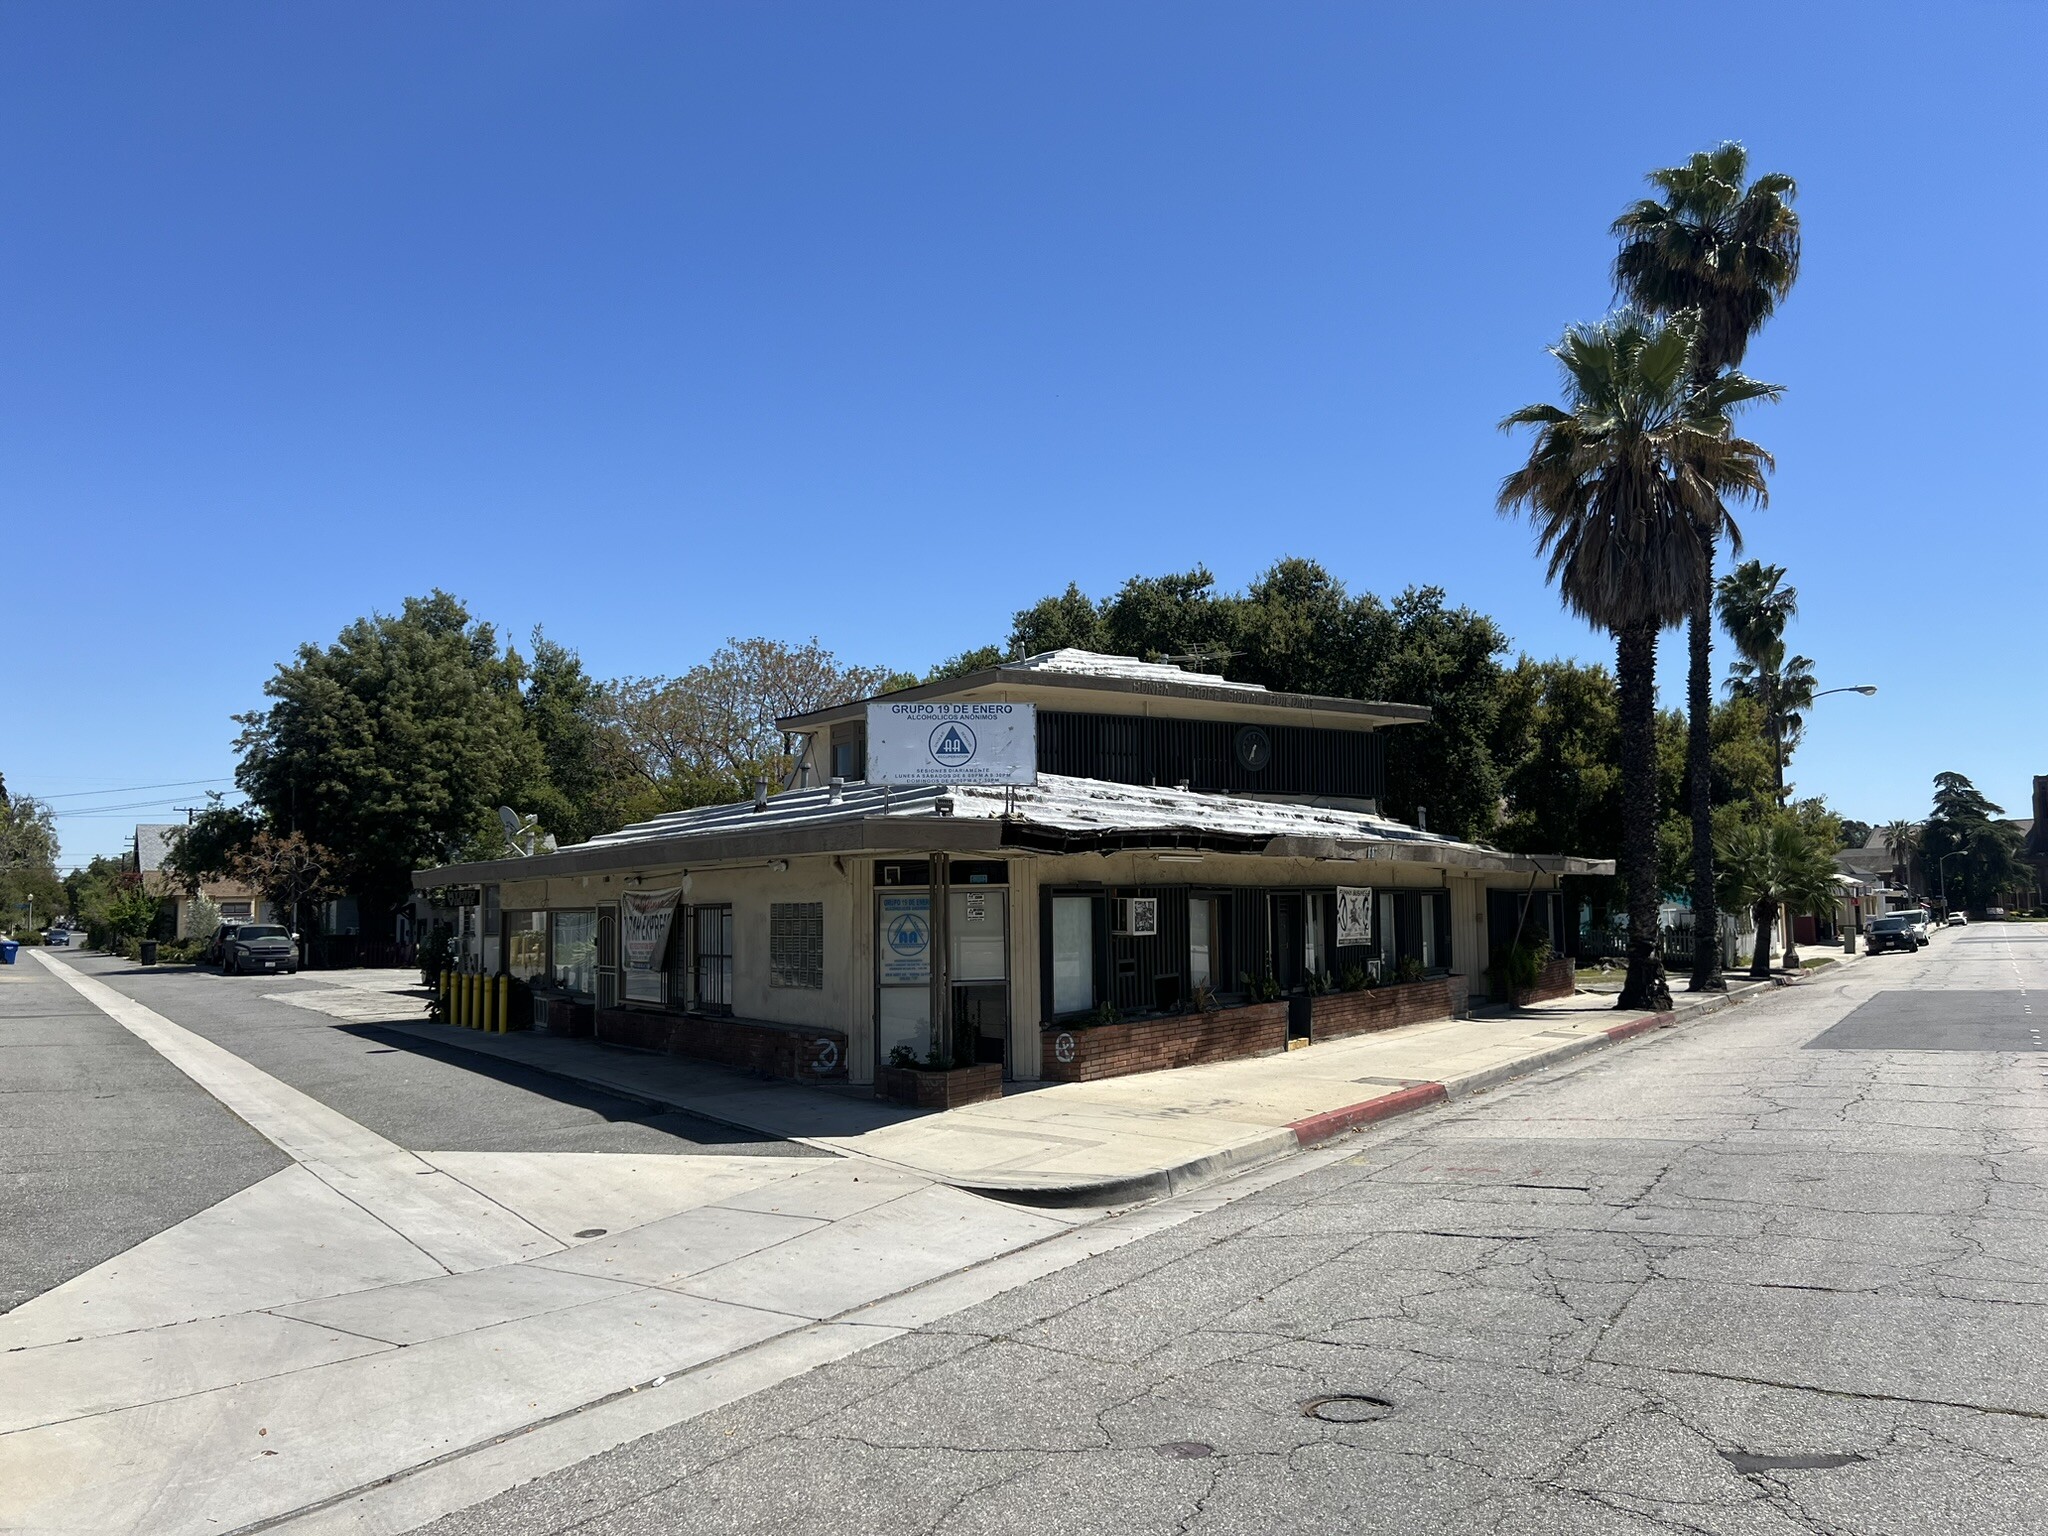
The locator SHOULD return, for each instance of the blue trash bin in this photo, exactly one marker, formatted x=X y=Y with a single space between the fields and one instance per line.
x=8 y=950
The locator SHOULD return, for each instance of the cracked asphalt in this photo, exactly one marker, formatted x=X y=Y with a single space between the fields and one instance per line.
x=1712 y=1281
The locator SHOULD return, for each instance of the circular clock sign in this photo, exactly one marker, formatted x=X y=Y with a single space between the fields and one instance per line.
x=1254 y=749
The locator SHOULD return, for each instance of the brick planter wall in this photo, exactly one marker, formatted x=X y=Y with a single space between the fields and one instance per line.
x=1151 y=1045
x=774 y=1050
x=1560 y=978
x=570 y=1018
x=1337 y=1014
x=940 y=1090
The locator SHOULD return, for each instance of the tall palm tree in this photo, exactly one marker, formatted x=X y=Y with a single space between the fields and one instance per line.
x=1728 y=254
x=1619 y=483
x=1902 y=841
x=1784 y=685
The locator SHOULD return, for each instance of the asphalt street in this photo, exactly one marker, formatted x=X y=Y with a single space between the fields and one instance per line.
x=104 y=1143
x=1716 y=1280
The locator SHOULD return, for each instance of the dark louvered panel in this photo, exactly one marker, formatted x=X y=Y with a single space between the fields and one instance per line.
x=1144 y=749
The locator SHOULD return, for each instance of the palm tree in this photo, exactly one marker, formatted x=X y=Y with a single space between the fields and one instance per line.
x=1619 y=483
x=1728 y=254
x=1768 y=864
x=1784 y=685
x=1902 y=841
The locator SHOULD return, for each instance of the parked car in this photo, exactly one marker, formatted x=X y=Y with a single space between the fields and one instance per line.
x=1892 y=931
x=259 y=947
x=215 y=952
x=1923 y=924
x=1959 y=918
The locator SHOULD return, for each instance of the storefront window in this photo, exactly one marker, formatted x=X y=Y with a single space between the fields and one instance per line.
x=1202 y=942
x=714 y=959
x=526 y=945
x=575 y=963
x=1073 y=954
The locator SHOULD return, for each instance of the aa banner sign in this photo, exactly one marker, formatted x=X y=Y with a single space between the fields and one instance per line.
x=644 y=918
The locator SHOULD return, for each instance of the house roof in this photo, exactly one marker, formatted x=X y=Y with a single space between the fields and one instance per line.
x=153 y=843
x=1074 y=679
x=1058 y=815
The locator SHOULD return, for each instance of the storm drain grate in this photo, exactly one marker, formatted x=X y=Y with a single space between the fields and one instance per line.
x=1747 y=1462
x=1347 y=1408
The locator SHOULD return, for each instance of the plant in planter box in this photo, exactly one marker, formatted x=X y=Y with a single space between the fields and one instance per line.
x=1105 y=1013
x=1518 y=967
x=1318 y=983
x=1409 y=969
x=1264 y=990
x=1204 y=1000
x=1358 y=979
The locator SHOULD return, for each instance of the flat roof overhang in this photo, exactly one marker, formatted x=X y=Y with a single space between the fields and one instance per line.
x=1068 y=690
x=934 y=834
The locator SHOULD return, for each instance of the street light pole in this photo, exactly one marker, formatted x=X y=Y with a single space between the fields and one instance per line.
x=1777 y=724
x=1941 y=871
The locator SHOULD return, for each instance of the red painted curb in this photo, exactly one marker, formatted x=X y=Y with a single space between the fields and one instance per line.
x=1334 y=1122
x=1633 y=1027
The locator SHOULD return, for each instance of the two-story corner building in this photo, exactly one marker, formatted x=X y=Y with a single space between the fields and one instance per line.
x=1190 y=841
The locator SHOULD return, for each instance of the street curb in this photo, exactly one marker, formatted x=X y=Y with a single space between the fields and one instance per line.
x=1176 y=1178
x=1335 y=1122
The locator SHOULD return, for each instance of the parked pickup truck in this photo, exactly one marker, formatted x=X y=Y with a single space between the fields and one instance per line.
x=259 y=947
x=1892 y=932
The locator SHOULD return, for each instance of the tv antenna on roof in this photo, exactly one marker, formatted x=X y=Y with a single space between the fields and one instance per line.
x=1202 y=656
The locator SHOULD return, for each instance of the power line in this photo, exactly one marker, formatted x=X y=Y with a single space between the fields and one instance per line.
x=128 y=789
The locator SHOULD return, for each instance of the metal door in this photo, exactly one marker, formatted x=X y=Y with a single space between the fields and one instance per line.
x=608 y=955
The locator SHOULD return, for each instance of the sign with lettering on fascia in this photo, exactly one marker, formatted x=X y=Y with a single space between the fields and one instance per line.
x=1354 y=915
x=952 y=743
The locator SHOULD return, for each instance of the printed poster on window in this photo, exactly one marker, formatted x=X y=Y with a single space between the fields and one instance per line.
x=904 y=957
x=1354 y=916
x=644 y=917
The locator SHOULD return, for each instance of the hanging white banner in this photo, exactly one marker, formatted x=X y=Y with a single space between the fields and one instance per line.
x=644 y=918
x=1354 y=915
x=952 y=743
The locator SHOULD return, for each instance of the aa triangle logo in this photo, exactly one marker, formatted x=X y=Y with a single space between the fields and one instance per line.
x=953 y=744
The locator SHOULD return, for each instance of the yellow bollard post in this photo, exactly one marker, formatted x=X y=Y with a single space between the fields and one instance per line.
x=455 y=1008
x=504 y=999
x=444 y=991
x=468 y=997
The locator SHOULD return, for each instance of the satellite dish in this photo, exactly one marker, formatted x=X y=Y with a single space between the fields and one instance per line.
x=519 y=831
x=509 y=820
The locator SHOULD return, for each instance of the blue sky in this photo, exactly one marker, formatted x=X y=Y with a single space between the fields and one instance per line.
x=659 y=323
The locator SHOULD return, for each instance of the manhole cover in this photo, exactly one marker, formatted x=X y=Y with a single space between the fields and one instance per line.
x=1347 y=1408
x=1747 y=1462
x=1185 y=1450
x=592 y=1232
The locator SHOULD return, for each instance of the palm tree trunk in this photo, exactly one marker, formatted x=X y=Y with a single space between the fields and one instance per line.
x=1760 y=959
x=1791 y=941
x=1636 y=673
x=1699 y=764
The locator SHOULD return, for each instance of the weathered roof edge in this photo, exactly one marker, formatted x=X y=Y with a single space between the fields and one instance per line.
x=1386 y=713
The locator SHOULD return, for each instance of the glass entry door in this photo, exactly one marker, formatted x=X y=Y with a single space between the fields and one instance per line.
x=978 y=931
x=903 y=973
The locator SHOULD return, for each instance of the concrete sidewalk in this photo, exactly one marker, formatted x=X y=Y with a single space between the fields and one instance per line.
x=1121 y=1138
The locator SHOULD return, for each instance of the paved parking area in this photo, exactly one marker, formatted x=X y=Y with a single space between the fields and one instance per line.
x=420 y=1094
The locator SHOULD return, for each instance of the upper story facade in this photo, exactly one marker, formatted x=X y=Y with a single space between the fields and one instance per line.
x=1125 y=721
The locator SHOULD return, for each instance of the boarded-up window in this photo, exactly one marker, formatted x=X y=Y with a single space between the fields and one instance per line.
x=796 y=944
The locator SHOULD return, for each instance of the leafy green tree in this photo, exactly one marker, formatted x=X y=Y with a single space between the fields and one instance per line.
x=1620 y=483
x=209 y=847
x=1855 y=834
x=393 y=746
x=1725 y=255
x=1975 y=857
x=564 y=708
x=28 y=863
x=976 y=660
x=1069 y=621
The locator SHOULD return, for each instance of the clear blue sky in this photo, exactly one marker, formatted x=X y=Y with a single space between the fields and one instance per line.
x=658 y=323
